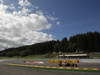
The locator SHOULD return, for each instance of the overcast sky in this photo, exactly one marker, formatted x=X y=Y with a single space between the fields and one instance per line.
x=25 y=22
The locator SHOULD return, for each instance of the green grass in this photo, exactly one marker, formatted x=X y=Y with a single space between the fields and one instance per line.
x=95 y=55
x=27 y=57
x=34 y=57
x=48 y=56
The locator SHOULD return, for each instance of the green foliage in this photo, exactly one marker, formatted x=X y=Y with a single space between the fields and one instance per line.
x=87 y=42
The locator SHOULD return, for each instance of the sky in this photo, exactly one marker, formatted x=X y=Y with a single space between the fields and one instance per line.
x=25 y=22
x=75 y=16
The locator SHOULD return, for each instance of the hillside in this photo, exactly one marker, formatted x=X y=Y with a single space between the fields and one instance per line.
x=85 y=43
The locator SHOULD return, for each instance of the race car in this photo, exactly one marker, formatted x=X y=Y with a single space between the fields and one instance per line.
x=65 y=62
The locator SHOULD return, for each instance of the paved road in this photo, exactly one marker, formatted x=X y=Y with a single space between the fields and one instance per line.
x=82 y=64
x=12 y=70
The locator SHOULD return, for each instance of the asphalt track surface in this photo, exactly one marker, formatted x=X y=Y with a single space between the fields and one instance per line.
x=81 y=64
x=17 y=70
x=14 y=70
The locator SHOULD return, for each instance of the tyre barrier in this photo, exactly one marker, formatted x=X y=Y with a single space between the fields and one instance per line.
x=58 y=68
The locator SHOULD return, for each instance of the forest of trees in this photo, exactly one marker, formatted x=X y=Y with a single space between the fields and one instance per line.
x=85 y=42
